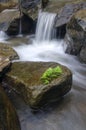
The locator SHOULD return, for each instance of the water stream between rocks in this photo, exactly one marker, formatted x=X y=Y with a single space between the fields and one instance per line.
x=70 y=112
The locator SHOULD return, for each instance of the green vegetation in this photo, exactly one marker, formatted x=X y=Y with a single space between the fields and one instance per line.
x=50 y=74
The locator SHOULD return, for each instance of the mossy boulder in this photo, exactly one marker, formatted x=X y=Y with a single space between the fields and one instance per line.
x=25 y=78
x=76 y=35
x=8 y=116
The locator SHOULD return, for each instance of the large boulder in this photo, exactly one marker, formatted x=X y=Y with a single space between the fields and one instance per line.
x=76 y=35
x=13 y=23
x=25 y=79
x=65 y=14
x=8 y=116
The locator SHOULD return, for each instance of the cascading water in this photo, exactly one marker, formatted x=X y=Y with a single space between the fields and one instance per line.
x=73 y=107
x=44 y=48
x=3 y=36
x=45 y=29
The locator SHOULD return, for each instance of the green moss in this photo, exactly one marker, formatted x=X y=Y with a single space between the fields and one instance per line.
x=50 y=74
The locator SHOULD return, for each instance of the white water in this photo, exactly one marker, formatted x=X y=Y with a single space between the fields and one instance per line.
x=45 y=30
x=3 y=36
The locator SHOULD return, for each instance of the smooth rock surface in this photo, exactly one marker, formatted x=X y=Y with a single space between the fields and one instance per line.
x=8 y=115
x=24 y=78
x=7 y=52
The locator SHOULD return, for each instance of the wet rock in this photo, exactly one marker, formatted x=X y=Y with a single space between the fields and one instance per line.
x=13 y=23
x=32 y=7
x=8 y=116
x=7 y=52
x=25 y=79
x=76 y=35
x=64 y=16
x=4 y=66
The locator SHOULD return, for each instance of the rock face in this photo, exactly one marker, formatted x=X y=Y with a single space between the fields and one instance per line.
x=11 y=21
x=65 y=14
x=25 y=78
x=76 y=35
x=8 y=116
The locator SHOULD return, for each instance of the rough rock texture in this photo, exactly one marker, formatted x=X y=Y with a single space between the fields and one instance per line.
x=24 y=78
x=31 y=7
x=11 y=21
x=8 y=116
x=64 y=16
x=76 y=35
x=7 y=52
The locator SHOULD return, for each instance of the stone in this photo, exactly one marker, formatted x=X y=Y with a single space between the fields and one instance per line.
x=12 y=22
x=4 y=66
x=7 y=5
x=25 y=79
x=65 y=14
x=7 y=52
x=76 y=35
x=8 y=116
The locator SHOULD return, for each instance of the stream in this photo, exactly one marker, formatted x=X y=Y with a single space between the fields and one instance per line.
x=70 y=112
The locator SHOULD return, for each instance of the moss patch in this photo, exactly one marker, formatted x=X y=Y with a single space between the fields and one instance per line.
x=50 y=74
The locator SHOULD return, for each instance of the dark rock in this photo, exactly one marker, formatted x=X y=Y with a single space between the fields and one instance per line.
x=25 y=24
x=11 y=21
x=25 y=78
x=8 y=116
x=76 y=35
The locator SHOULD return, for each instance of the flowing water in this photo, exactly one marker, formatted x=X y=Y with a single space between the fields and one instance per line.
x=70 y=112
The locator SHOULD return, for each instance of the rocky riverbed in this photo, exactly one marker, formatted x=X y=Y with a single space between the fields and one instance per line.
x=23 y=61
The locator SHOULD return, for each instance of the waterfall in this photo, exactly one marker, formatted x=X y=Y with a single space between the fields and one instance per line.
x=45 y=26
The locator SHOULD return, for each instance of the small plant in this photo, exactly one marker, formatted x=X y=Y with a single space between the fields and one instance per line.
x=50 y=74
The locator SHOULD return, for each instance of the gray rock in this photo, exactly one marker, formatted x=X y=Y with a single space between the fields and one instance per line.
x=25 y=79
x=65 y=14
x=76 y=35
